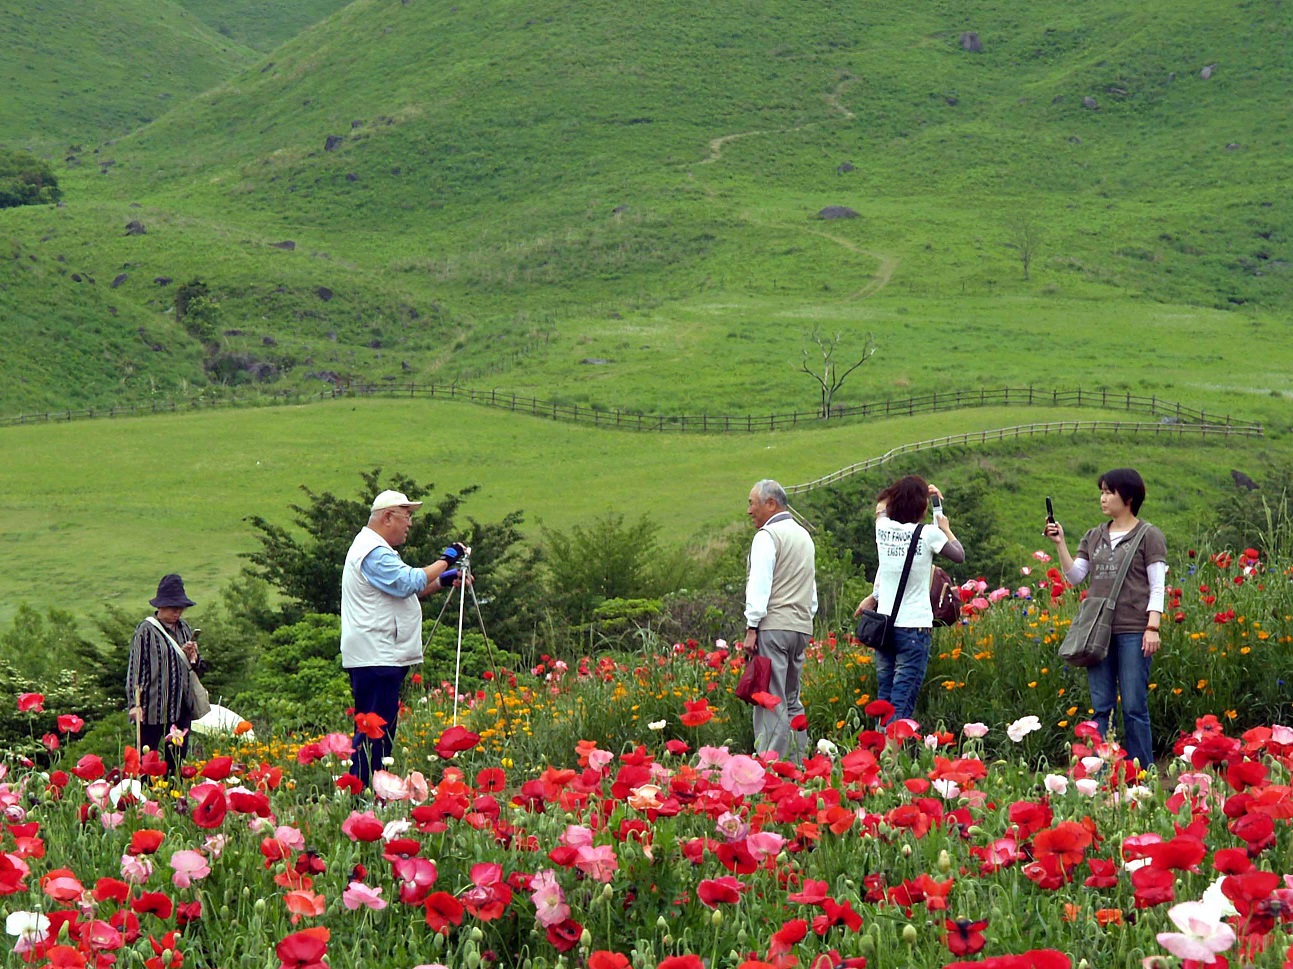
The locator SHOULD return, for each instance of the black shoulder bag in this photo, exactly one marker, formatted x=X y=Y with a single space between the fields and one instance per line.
x=874 y=627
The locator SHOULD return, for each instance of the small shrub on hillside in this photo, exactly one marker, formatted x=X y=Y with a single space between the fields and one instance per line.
x=298 y=682
x=26 y=180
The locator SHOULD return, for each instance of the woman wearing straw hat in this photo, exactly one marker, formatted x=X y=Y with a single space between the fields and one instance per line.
x=157 y=674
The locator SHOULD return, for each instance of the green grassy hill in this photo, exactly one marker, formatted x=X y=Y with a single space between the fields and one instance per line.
x=76 y=74
x=515 y=188
x=261 y=24
x=115 y=504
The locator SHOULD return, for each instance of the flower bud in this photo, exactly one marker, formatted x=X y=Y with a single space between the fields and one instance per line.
x=476 y=934
x=906 y=851
x=585 y=939
x=608 y=892
x=259 y=906
x=909 y=934
x=944 y=861
x=717 y=917
x=473 y=959
x=661 y=924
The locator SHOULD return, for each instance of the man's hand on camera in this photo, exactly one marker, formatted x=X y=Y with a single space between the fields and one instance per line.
x=449 y=577
x=454 y=552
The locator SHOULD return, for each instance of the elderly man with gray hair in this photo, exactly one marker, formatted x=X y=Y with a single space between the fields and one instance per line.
x=780 y=602
x=381 y=620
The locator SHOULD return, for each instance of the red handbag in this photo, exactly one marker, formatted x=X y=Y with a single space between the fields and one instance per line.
x=755 y=678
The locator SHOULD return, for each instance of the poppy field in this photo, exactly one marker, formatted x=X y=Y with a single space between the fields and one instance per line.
x=608 y=813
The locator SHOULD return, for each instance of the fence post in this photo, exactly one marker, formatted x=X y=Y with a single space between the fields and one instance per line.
x=749 y=422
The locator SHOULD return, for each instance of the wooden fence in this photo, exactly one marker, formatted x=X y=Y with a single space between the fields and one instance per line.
x=622 y=419
x=1157 y=429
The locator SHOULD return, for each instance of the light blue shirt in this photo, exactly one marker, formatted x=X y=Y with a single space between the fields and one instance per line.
x=387 y=572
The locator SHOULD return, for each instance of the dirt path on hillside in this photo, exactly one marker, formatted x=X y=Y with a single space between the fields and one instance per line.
x=882 y=274
x=832 y=99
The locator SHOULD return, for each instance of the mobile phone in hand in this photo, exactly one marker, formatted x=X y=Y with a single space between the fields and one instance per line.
x=937 y=507
x=196 y=634
x=1050 y=512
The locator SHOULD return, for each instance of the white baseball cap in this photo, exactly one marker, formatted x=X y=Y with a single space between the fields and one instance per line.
x=394 y=499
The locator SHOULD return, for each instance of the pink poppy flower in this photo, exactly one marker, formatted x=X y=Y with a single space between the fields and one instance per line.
x=712 y=757
x=290 y=836
x=975 y=730
x=731 y=826
x=136 y=869
x=389 y=787
x=979 y=603
x=417 y=786
x=1023 y=592
x=742 y=775
x=996 y=595
x=359 y=894
x=765 y=844
x=576 y=836
x=549 y=900
x=189 y=866
x=600 y=759
x=338 y=745
x=1041 y=556
x=1203 y=935
x=31 y=702
x=597 y=862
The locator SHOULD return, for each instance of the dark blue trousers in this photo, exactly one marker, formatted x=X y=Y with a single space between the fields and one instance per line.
x=376 y=689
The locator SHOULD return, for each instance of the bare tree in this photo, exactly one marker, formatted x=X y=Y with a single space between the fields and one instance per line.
x=828 y=372
x=1026 y=237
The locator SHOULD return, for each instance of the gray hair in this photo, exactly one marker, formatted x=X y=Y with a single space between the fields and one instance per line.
x=769 y=489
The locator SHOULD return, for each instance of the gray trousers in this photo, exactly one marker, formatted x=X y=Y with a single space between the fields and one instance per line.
x=785 y=650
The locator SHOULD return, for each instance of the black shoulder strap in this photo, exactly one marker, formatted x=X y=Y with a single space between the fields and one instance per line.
x=906 y=573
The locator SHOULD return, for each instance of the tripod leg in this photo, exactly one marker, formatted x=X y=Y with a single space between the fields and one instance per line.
x=493 y=662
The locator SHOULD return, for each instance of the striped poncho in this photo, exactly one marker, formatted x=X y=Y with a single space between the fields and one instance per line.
x=160 y=673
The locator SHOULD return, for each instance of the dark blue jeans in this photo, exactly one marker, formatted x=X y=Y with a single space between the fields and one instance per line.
x=376 y=690
x=1124 y=672
x=901 y=674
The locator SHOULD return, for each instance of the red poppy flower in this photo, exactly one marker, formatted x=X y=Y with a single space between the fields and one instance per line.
x=677 y=747
x=1032 y=959
x=211 y=809
x=1104 y=873
x=31 y=702
x=603 y=959
x=250 y=802
x=69 y=723
x=152 y=765
x=371 y=725
x=965 y=938
x=113 y=889
x=350 y=783
x=565 y=935
x=811 y=892
x=799 y=722
x=304 y=949
x=89 y=768
x=1152 y=886
x=217 y=768
x=1183 y=853
x=155 y=903
x=881 y=709
x=787 y=937
x=680 y=962
x=735 y=856
x=716 y=891
x=442 y=911
x=698 y=713
x=1067 y=841
x=1257 y=830
x=1232 y=861
x=64 y=957
x=766 y=700
x=456 y=739
x=145 y=841
x=491 y=780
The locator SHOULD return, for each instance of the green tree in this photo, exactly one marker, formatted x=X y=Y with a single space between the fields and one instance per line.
x=26 y=180
x=304 y=562
x=608 y=559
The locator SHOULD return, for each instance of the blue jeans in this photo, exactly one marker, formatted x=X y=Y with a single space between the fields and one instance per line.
x=1125 y=671
x=376 y=690
x=901 y=674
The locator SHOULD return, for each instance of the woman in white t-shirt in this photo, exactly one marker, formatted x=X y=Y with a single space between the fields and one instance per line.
x=900 y=666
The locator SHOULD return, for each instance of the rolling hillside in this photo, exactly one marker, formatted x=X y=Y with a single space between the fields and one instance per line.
x=498 y=192
x=261 y=24
x=77 y=73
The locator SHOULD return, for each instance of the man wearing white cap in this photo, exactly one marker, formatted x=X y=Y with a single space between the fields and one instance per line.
x=381 y=620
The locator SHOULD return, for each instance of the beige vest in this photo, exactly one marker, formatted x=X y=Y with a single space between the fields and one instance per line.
x=376 y=629
x=790 y=605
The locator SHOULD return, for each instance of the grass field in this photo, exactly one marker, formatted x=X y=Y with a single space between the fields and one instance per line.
x=114 y=504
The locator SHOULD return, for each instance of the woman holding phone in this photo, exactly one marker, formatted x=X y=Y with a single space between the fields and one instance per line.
x=900 y=671
x=1138 y=611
